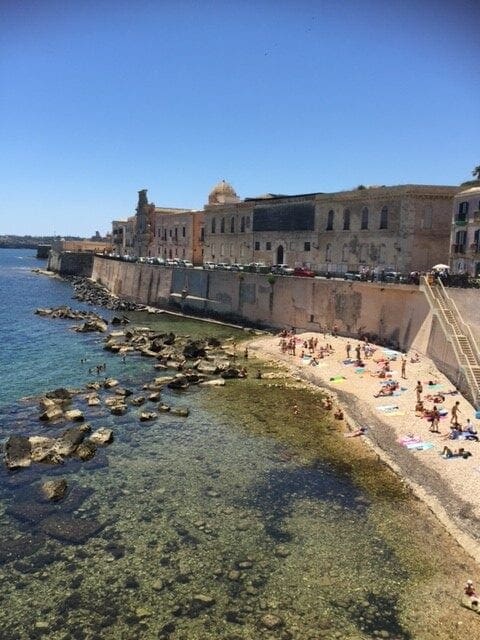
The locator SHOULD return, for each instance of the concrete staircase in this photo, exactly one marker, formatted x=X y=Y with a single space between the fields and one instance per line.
x=458 y=333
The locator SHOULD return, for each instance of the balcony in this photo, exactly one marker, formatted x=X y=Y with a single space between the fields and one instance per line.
x=458 y=248
x=475 y=248
x=460 y=221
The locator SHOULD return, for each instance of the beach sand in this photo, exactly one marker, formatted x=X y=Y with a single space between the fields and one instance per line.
x=450 y=487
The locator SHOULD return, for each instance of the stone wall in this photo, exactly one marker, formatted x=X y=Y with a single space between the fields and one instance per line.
x=71 y=264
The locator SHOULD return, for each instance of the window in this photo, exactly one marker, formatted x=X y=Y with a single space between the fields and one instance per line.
x=222 y=249
x=306 y=246
x=232 y=225
x=328 y=253
x=463 y=208
x=165 y=235
x=222 y=225
x=346 y=220
x=364 y=222
x=242 y=225
x=344 y=252
x=384 y=218
x=247 y=222
x=461 y=237
x=268 y=246
x=214 y=225
x=381 y=254
x=257 y=246
x=242 y=251
x=330 y=216
x=176 y=233
x=202 y=234
x=232 y=249
x=184 y=231
x=170 y=233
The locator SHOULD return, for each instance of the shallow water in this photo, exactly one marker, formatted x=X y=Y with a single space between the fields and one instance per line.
x=239 y=517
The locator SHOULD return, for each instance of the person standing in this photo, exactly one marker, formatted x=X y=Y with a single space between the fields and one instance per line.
x=404 y=367
x=454 y=413
x=348 y=348
x=435 y=419
x=419 y=390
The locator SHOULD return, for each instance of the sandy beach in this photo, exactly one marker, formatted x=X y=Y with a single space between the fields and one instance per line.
x=450 y=487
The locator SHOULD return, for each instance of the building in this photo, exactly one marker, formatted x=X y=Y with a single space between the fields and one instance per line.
x=164 y=232
x=465 y=232
x=401 y=228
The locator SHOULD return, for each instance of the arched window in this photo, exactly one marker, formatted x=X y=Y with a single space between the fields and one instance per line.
x=381 y=254
x=247 y=222
x=231 y=249
x=328 y=253
x=330 y=217
x=242 y=225
x=362 y=252
x=242 y=251
x=346 y=220
x=344 y=252
x=232 y=225
x=364 y=223
x=222 y=225
x=384 y=218
x=222 y=249
x=214 y=225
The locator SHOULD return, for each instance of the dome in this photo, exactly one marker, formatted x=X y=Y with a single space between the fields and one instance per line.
x=222 y=193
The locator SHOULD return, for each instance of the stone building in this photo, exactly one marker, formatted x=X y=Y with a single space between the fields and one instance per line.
x=177 y=233
x=165 y=232
x=400 y=228
x=465 y=237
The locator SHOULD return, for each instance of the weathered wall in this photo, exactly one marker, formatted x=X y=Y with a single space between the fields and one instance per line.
x=71 y=264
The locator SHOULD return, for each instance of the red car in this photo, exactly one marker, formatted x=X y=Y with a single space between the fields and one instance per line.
x=303 y=272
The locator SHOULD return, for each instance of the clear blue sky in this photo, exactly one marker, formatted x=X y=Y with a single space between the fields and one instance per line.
x=99 y=99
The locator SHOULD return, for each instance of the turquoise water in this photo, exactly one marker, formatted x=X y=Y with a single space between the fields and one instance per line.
x=203 y=527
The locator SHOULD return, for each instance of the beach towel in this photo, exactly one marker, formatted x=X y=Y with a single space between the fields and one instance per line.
x=387 y=407
x=409 y=439
x=360 y=370
x=337 y=380
x=420 y=446
x=435 y=386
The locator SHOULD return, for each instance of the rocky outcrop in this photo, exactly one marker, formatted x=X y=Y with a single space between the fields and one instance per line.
x=102 y=436
x=17 y=452
x=54 y=490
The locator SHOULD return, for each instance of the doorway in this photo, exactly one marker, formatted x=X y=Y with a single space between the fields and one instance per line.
x=280 y=255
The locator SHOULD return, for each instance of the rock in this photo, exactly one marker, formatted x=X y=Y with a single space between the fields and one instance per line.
x=220 y=382
x=207 y=367
x=194 y=349
x=69 y=440
x=180 y=411
x=203 y=601
x=154 y=397
x=93 y=401
x=86 y=451
x=42 y=450
x=101 y=436
x=92 y=325
x=20 y=547
x=139 y=400
x=145 y=416
x=230 y=373
x=17 y=452
x=60 y=393
x=157 y=585
x=54 y=413
x=234 y=575
x=30 y=511
x=163 y=408
x=271 y=621
x=120 y=391
x=110 y=382
x=54 y=490
x=75 y=415
x=70 y=529
x=119 y=409
x=179 y=382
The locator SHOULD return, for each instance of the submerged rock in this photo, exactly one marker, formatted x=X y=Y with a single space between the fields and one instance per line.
x=54 y=490
x=86 y=450
x=180 y=411
x=145 y=416
x=102 y=436
x=53 y=413
x=70 y=529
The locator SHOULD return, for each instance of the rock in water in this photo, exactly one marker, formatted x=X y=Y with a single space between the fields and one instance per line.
x=75 y=415
x=102 y=436
x=17 y=452
x=54 y=490
x=73 y=530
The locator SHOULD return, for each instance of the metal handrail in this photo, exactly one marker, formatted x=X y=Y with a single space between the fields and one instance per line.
x=464 y=325
x=449 y=331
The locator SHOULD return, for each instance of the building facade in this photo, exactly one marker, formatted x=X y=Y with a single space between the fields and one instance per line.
x=465 y=234
x=401 y=228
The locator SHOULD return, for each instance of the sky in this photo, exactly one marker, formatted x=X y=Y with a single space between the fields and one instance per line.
x=99 y=99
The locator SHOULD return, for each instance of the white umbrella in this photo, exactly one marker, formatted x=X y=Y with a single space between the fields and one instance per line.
x=441 y=266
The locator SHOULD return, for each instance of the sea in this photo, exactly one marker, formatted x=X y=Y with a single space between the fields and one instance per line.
x=244 y=520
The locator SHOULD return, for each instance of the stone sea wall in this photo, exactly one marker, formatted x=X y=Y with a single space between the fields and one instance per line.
x=387 y=312
x=71 y=264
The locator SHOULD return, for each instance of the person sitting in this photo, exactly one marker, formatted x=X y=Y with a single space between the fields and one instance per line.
x=469 y=591
x=470 y=432
x=415 y=358
x=338 y=415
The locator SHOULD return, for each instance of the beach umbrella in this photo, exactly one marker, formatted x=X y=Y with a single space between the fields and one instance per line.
x=441 y=266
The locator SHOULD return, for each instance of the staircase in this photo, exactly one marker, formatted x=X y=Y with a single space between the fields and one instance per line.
x=457 y=333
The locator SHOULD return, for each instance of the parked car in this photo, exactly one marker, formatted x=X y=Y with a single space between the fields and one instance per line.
x=188 y=264
x=303 y=272
x=352 y=275
x=237 y=267
x=391 y=276
x=282 y=269
x=209 y=265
